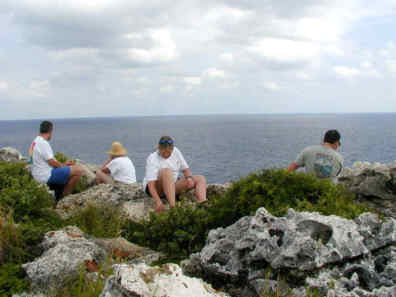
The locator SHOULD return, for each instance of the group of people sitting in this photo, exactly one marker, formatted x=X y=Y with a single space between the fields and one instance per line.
x=162 y=167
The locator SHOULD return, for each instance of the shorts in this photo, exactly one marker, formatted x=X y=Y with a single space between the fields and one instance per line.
x=59 y=175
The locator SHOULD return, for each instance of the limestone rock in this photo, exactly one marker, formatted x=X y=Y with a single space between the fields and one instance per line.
x=10 y=154
x=374 y=184
x=141 y=280
x=302 y=243
x=114 y=195
x=24 y=294
x=125 y=250
x=65 y=252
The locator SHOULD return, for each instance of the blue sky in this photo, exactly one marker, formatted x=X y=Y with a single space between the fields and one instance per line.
x=119 y=58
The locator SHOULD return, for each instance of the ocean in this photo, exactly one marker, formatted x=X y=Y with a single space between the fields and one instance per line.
x=221 y=147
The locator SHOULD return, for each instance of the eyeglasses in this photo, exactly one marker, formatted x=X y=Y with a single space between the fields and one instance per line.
x=166 y=141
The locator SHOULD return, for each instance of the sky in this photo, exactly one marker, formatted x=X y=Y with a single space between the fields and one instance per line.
x=95 y=58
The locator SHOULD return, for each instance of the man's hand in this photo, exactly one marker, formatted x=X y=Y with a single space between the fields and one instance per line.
x=159 y=206
x=70 y=163
x=190 y=182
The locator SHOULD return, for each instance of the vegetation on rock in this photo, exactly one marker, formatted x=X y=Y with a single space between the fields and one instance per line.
x=183 y=230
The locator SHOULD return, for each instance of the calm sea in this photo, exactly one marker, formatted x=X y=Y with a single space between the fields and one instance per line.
x=221 y=147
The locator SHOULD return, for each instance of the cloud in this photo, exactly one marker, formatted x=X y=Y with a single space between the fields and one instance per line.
x=391 y=65
x=272 y=86
x=213 y=73
x=284 y=50
x=3 y=85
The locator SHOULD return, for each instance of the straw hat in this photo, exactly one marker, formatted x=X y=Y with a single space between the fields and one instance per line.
x=117 y=149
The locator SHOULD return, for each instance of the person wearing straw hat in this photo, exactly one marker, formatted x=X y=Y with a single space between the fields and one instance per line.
x=118 y=167
x=162 y=171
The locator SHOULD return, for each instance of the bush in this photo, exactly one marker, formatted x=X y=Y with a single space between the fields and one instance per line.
x=183 y=230
x=25 y=216
x=21 y=193
x=99 y=221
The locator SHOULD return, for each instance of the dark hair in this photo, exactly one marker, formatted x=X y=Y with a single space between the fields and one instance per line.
x=165 y=142
x=332 y=136
x=46 y=127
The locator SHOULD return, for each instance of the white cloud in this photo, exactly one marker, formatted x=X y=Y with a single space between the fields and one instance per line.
x=391 y=65
x=192 y=80
x=227 y=58
x=214 y=73
x=167 y=89
x=285 y=50
x=164 y=49
x=272 y=86
x=346 y=72
x=3 y=85
x=39 y=88
x=303 y=75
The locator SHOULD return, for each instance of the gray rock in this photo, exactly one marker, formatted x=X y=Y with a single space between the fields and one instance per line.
x=114 y=195
x=303 y=244
x=374 y=184
x=127 y=251
x=65 y=253
x=141 y=280
x=24 y=294
x=9 y=154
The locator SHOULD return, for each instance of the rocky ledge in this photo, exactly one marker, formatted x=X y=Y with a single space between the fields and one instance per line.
x=374 y=184
x=337 y=256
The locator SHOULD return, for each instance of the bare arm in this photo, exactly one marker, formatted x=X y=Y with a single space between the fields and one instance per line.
x=293 y=167
x=54 y=163
x=105 y=164
x=187 y=172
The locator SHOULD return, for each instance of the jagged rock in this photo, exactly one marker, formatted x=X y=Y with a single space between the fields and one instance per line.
x=301 y=243
x=131 y=200
x=121 y=248
x=10 y=154
x=374 y=184
x=141 y=280
x=65 y=252
x=24 y=294
x=114 y=195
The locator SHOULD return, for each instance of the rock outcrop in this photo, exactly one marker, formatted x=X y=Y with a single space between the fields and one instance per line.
x=9 y=154
x=141 y=280
x=299 y=245
x=131 y=200
x=65 y=252
x=374 y=184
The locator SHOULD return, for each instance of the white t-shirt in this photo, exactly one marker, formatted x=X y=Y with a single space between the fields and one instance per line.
x=155 y=162
x=42 y=152
x=122 y=170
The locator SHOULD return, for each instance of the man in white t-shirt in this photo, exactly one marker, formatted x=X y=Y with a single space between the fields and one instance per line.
x=162 y=171
x=46 y=169
x=118 y=167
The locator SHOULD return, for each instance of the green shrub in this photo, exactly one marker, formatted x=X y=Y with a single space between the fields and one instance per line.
x=12 y=280
x=183 y=230
x=99 y=221
x=21 y=193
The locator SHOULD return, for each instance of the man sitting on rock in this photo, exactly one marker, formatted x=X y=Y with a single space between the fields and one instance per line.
x=321 y=160
x=118 y=167
x=46 y=169
x=162 y=171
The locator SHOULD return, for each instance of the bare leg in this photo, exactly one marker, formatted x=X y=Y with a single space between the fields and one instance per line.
x=103 y=178
x=166 y=185
x=75 y=177
x=200 y=188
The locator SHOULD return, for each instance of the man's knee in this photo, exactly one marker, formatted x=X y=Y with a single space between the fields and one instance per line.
x=76 y=170
x=199 y=179
x=165 y=172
